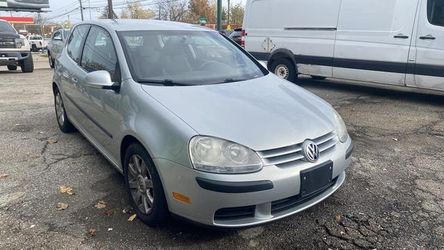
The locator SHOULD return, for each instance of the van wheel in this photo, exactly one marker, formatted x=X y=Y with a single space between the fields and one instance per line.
x=27 y=65
x=320 y=78
x=144 y=186
x=12 y=67
x=284 y=68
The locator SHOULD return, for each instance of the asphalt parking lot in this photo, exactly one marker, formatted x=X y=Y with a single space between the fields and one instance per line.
x=393 y=196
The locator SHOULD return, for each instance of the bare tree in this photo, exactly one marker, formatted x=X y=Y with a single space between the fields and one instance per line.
x=173 y=10
x=135 y=10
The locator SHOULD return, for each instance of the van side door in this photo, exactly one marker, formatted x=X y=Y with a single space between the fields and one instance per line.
x=429 y=68
x=373 y=40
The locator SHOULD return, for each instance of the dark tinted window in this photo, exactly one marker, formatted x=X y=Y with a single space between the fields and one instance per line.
x=74 y=48
x=435 y=12
x=6 y=27
x=99 y=52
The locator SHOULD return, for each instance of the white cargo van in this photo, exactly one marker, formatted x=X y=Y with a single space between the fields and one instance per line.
x=398 y=43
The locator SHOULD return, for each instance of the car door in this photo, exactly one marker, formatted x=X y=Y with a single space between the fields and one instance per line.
x=56 y=44
x=99 y=105
x=69 y=71
x=373 y=40
x=429 y=68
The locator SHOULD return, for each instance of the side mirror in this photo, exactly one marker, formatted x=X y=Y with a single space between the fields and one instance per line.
x=100 y=79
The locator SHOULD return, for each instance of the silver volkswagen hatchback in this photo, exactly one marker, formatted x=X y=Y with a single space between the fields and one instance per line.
x=196 y=125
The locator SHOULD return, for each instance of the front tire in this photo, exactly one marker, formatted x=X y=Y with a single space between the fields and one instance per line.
x=62 y=119
x=27 y=64
x=144 y=186
x=284 y=68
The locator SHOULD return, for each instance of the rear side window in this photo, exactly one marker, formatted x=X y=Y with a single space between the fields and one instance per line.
x=99 y=53
x=74 y=47
x=435 y=12
x=57 y=36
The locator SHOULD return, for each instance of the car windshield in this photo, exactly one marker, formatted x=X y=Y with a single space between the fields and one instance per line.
x=6 y=27
x=186 y=58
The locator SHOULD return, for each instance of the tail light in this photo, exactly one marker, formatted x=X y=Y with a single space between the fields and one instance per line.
x=244 y=34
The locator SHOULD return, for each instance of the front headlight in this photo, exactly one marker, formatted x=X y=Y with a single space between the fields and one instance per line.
x=215 y=155
x=341 y=129
x=19 y=42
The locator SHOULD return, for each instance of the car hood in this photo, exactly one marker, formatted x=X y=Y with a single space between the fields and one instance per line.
x=9 y=35
x=262 y=113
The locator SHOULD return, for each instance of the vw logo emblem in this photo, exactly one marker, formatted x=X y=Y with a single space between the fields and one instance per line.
x=311 y=151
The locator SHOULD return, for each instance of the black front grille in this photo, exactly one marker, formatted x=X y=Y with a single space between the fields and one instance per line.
x=294 y=201
x=235 y=213
x=7 y=43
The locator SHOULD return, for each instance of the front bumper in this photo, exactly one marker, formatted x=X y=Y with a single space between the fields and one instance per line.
x=12 y=57
x=250 y=207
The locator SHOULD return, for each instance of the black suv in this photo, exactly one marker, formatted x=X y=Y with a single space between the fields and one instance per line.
x=14 y=49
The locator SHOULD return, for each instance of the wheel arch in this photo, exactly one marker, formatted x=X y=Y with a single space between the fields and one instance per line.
x=280 y=53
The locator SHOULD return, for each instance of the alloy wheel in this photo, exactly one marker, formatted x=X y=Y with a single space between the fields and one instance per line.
x=60 y=110
x=140 y=184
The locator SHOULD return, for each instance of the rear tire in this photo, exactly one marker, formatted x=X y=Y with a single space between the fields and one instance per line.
x=320 y=78
x=144 y=186
x=12 y=67
x=27 y=65
x=62 y=119
x=284 y=68
x=50 y=60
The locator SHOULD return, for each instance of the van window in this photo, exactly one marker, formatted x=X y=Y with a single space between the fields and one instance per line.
x=435 y=12
x=99 y=53
x=74 y=47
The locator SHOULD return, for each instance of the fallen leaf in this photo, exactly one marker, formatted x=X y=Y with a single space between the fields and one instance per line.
x=132 y=217
x=92 y=232
x=61 y=206
x=3 y=176
x=338 y=218
x=52 y=141
x=108 y=212
x=66 y=190
x=100 y=205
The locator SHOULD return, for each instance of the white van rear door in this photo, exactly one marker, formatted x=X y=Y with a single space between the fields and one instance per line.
x=429 y=68
x=373 y=40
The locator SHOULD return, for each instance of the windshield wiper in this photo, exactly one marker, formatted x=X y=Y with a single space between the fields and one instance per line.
x=165 y=82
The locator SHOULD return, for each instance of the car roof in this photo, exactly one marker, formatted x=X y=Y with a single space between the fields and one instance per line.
x=138 y=24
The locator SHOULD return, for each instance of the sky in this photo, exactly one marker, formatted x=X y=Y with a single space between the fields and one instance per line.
x=61 y=10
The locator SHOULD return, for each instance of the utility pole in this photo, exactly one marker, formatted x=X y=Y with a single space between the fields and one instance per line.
x=228 y=14
x=110 y=9
x=219 y=15
x=81 y=9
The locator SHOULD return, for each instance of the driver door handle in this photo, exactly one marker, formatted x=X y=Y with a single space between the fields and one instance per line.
x=428 y=37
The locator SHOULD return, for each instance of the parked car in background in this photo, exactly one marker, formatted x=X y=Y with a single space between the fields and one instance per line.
x=14 y=49
x=37 y=42
x=56 y=44
x=396 y=44
x=196 y=125
x=236 y=36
